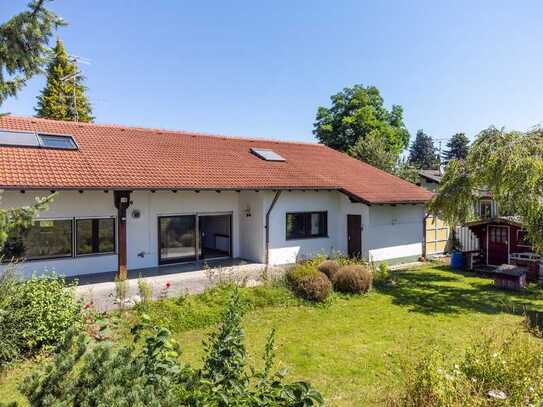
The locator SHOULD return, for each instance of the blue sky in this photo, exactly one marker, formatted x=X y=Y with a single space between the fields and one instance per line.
x=261 y=69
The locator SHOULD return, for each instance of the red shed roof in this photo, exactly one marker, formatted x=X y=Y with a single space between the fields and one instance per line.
x=120 y=157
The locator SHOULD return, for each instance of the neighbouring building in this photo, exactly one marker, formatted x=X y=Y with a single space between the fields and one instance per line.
x=133 y=198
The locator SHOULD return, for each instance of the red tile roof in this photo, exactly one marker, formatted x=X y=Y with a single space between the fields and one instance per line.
x=118 y=157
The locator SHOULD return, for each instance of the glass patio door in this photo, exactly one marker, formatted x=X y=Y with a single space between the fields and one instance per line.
x=177 y=238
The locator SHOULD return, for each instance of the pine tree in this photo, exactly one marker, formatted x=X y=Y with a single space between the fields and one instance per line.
x=23 y=46
x=457 y=148
x=422 y=153
x=57 y=98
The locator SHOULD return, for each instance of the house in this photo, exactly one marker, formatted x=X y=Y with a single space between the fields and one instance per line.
x=134 y=198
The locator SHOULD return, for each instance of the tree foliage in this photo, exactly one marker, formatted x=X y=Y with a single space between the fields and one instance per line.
x=85 y=373
x=457 y=148
x=506 y=164
x=23 y=46
x=374 y=150
x=422 y=153
x=63 y=99
x=355 y=113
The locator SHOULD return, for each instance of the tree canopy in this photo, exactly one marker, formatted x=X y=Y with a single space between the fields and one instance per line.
x=422 y=153
x=457 y=148
x=62 y=98
x=23 y=46
x=357 y=112
x=506 y=164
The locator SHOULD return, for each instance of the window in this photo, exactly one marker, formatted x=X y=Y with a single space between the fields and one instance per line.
x=266 y=154
x=498 y=235
x=37 y=140
x=522 y=238
x=304 y=225
x=485 y=209
x=53 y=141
x=42 y=240
x=95 y=236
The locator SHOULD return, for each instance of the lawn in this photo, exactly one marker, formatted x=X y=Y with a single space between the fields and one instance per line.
x=353 y=349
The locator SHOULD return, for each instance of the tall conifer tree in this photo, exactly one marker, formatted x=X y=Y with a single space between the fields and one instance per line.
x=57 y=98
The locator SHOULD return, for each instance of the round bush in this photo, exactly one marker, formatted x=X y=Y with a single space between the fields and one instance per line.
x=353 y=279
x=308 y=283
x=328 y=267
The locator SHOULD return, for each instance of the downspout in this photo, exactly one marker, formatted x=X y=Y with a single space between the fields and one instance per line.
x=267 y=227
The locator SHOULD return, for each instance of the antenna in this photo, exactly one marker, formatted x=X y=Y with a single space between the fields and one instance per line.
x=73 y=76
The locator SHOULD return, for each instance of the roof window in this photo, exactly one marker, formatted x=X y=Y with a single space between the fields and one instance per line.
x=37 y=140
x=54 y=141
x=266 y=154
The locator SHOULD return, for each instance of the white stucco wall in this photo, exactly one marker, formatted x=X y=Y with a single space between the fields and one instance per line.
x=283 y=251
x=388 y=232
x=251 y=226
x=394 y=232
x=67 y=205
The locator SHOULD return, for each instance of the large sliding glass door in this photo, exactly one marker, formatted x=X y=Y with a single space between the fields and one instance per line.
x=177 y=238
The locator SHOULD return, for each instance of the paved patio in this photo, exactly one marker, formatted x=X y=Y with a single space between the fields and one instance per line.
x=168 y=281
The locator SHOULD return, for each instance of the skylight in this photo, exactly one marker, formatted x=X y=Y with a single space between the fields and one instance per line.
x=37 y=140
x=53 y=141
x=267 y=154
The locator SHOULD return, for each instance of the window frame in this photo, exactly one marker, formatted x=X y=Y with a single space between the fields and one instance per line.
x=75 y=242
x=54 y=257
x=307 y=225
x=485 y=202
x=42 y=144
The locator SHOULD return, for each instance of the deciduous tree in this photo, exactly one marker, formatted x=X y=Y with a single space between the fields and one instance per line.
x=355 y=113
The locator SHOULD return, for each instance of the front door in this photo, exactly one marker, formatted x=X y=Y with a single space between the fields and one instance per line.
x=354 y=235
x=177 y=238
x=498 y=245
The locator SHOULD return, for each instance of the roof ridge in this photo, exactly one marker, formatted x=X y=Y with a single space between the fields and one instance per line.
x=164 y=130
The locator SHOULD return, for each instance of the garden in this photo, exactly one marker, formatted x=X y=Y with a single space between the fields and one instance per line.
x=332 y=332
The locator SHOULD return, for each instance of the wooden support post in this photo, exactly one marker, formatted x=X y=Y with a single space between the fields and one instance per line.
x=122 y=202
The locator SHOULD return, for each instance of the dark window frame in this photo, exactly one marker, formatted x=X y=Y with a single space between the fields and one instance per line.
x=485 y=203
x=307 y=225
x=75 y=251
x=73 y=241
x=52 y=257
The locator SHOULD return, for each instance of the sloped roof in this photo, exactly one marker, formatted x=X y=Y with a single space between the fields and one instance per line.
x=432 y=175
x=120 y=157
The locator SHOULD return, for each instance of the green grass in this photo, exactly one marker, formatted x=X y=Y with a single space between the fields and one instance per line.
x=354 y=347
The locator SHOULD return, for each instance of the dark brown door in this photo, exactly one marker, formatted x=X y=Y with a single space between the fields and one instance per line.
x=354 y=235
x=498 y=245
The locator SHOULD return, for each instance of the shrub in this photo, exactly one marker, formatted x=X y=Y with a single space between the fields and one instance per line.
x=493 y=372
x=328 y=267
x=309 y=283
x=353 y=279
x=36 y=315
x=150 y=374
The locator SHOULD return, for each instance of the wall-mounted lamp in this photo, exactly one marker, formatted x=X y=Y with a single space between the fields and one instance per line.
x=247 y=211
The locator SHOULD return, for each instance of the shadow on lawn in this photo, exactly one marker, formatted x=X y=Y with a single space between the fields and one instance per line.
x=438 y=290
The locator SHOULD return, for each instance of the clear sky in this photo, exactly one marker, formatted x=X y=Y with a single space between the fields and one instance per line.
x=255 y=68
